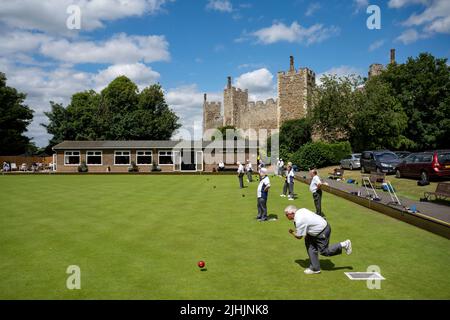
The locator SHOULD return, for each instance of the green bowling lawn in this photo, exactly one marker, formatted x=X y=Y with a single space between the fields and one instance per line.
x=141 y=236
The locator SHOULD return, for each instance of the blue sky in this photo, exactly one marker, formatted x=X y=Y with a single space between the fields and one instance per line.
x=190 y=47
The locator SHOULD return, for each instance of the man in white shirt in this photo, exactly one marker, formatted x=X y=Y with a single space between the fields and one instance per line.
x=281 y=167
x=289 y=183
x=316 y=231
x=240 y=173
x=262 y=194
x=315 y=188
x=249 y=170
x=221 y=166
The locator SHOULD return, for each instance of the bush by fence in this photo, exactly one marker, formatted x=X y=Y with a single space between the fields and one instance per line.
x=320 y=154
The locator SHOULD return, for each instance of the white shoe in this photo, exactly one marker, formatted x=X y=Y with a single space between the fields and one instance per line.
x=283 y=195
x=291 y=199
x=348 y=247
x=309 y=271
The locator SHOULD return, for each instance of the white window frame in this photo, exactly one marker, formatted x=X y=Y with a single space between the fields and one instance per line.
x=68 y=155
x=145 y=155
x=121 y=151
x=101 y=157
x=165 y=151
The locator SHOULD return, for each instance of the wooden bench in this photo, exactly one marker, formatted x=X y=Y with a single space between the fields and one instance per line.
x=442 y=192
x=336 y=174
x=376 y=179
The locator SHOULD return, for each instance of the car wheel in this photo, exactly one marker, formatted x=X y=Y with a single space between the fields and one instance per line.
x=424 y=176
x=398 y=174
x=351 y=167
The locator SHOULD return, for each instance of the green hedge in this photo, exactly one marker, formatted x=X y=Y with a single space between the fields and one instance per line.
x=320 y=154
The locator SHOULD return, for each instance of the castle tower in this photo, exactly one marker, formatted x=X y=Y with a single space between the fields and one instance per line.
x=294 y=91
x=233 y=100
x=392 y=56
x=212 y=117
x=375 y=69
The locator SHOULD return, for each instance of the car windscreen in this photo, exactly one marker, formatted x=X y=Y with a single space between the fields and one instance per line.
x=386 y=157
x=444 y=157
x=357 y=156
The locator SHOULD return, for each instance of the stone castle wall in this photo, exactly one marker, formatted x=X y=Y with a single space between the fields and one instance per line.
x=294 y=90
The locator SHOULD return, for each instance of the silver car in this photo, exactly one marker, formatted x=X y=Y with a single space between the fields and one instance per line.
x=351 y=162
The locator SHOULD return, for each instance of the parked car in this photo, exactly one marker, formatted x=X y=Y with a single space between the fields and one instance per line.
x=351 y=162
x=402 y=154
x=425 y=165
x=380 y=161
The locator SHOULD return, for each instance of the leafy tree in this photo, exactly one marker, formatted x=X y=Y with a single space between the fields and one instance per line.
x=422 y=85
x=119 y=112
x=59 y=124
x=15 y=116
x=295 y=133
x=335 y=104
x=379 y=119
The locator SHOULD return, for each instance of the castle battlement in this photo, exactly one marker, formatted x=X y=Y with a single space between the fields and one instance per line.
x=300 y=71
x=262 y=104
x=213 y=105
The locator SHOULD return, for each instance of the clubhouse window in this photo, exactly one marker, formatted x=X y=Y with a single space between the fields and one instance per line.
x=94 y=158
x=72 y=158
x=165 y=157
x=122 y=157
x=144 y=158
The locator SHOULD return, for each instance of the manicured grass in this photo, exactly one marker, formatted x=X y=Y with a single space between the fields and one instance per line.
x=405 y=187
x=141 y=237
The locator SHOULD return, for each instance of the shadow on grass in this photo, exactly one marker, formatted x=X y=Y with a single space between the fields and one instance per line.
x=326 y=264
x=272 y=216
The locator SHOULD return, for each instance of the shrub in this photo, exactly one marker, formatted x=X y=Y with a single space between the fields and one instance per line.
x=340 y=150
x=320 y=154
x=83 y=167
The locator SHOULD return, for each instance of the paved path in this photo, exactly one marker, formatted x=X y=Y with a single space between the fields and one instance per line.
x=431 y=209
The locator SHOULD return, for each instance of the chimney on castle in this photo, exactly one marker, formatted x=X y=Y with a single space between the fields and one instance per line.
x=291 y=68
x=229 y=83
x=392 y=56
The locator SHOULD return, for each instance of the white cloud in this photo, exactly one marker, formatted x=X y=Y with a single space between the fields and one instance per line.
x=434 y=19
x=21 y=41
x=51 y=15
x=312 y=8
x=340 y=71
x=375 y=45
x=360 y=4
x=408 y=36
x=255 y=81
x=403 y=3
x=139 y=73
x=187 y=103
x=295 y=33
x=120 y=48
x=220 y=5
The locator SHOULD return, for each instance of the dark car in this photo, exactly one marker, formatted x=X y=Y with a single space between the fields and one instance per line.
x=380 y=161
x=425 y=165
